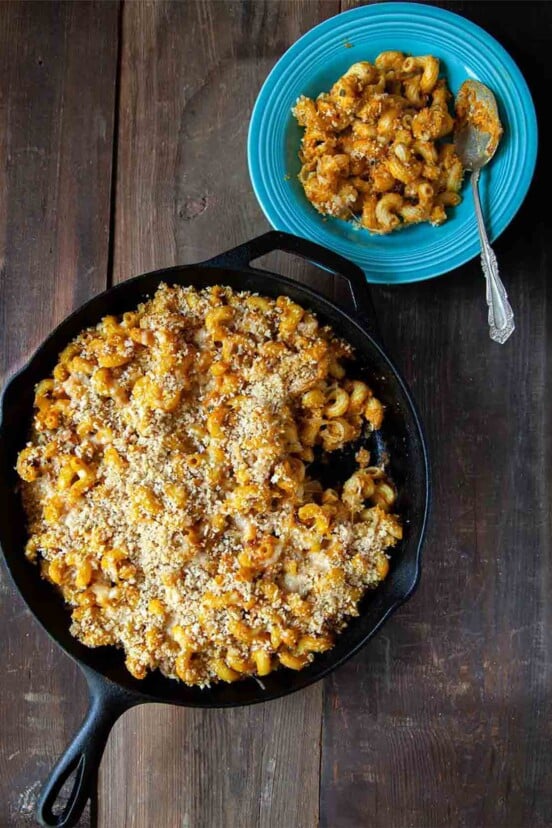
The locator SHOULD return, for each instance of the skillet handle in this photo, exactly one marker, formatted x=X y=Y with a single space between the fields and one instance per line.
x=244 y=254
x=82 y=757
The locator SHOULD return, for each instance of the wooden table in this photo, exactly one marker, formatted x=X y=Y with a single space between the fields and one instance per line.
x=122 y=149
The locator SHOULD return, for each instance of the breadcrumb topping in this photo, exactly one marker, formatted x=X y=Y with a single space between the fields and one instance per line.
x=168 y=488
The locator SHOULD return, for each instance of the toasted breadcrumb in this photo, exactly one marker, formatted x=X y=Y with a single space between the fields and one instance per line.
x=167 y=487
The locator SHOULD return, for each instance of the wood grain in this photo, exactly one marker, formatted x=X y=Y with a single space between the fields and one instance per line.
x=444 y=720
x=190 y=73
x=57 y=80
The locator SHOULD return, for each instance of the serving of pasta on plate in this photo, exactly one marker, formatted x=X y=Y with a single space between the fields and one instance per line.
x=373 y=150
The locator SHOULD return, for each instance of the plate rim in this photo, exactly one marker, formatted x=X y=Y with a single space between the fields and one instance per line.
x=430 y=13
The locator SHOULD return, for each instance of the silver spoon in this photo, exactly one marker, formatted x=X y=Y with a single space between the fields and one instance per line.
x=476 y=138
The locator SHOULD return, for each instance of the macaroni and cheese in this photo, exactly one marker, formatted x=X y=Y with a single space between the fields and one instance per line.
x=168 y=492
x=372 y=146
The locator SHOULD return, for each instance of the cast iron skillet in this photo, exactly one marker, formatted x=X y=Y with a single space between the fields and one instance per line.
x=112 y=689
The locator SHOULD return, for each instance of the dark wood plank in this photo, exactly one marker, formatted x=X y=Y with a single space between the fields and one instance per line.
x=57 y=81
x=444 y=719
x=190 y=75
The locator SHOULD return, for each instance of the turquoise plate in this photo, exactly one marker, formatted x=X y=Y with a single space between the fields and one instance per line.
x=312 y=65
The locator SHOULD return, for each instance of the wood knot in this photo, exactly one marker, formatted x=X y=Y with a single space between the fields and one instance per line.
x=192 y=207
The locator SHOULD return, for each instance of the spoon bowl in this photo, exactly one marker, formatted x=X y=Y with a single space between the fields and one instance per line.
x=479 y=130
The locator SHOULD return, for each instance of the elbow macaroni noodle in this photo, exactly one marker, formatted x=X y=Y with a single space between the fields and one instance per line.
x=168 y=489
x=372 y=145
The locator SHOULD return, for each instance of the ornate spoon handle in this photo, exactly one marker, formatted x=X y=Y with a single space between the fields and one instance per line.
x=501 y=315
